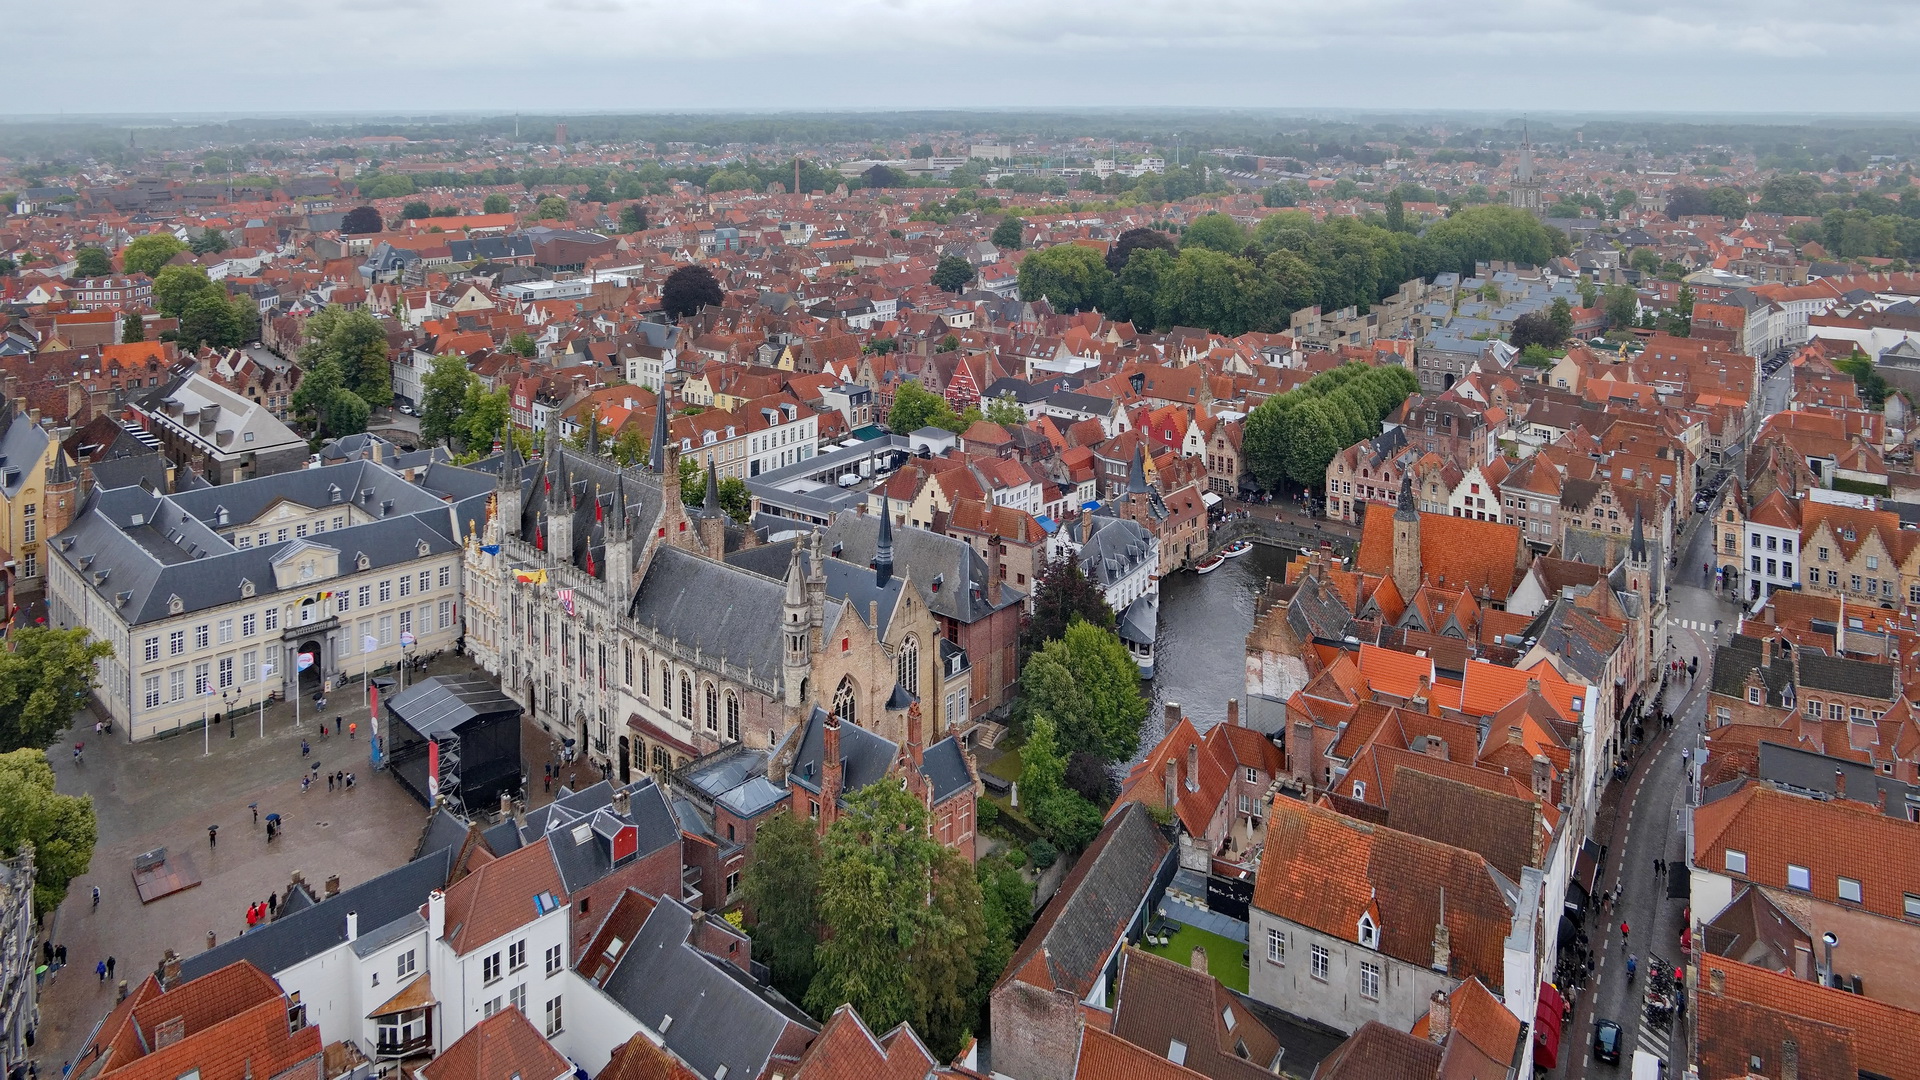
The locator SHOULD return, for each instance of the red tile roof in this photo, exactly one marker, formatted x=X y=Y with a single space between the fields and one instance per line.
x=1829 y=839
x=1453 y=551
x=499 y=897
x=503 y=1045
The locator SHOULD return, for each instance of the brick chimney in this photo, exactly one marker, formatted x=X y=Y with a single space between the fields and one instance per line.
x=1198 y=959
x=1542 y=776
x=915 y=736
x=829 y=768
x=623 y=802
x=1840 y=783
x=437 y=915
x=1766 y=652
x=1173 y=714
x=170 y=969
x=333 y=885
x=1233 y=712
x=1173 y=783
x=1193 y=766
x=1439 y=1016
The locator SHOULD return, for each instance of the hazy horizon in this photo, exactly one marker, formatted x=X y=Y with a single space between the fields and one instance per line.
x=405 y=57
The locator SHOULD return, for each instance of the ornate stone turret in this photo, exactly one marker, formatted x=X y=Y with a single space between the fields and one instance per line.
x=795 y=631
x=657 y=453
x=63 y=494
x=619 y=536
x=511 y=467
x=1406 y=540
x=713 y=520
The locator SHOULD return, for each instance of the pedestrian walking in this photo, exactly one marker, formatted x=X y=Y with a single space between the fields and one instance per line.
x=304 y=748
x=255 y=807
x=109 y=968
x=96 y=896
x=213 y=835
x=329 y=783
x=269 y=832
x=306 y=781
x=60 y=955
x=349 y=779
x=100 y=969
x=1623 y=933
x=273 y=904
x=353 y=730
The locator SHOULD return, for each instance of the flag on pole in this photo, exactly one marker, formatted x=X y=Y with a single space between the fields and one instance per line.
x=267 y=670
x=302 y=661
x=530 y=577
x=565 y=596
x=491 y=549
x=406 y=639
x=369 y=643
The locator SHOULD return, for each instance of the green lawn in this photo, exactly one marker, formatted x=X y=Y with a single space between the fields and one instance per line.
x=1225 y=956
x=1007 y=766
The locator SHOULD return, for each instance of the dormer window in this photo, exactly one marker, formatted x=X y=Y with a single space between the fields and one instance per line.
x=1753 y=695
x=1369 y=932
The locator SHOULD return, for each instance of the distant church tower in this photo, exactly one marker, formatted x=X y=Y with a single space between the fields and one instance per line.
x=1406 y=540
x=1526 y=187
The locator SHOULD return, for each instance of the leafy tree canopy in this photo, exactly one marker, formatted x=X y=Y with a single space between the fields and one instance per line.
x=953 y=273
x=689 y=289
x=1087 y=683
x=147 y=254
x=44 y=678
x=92 y=262
x=61 y=828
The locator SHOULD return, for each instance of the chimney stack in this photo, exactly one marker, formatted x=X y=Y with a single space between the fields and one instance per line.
x=1766 y=652
x=1193 y=766
x=506 y=805
x=1439 y=1017
x=170 y=969
x=1173 y=783
x=353 y=926
x=915 y=735
x=1542 y=776
x=1840 y=783
x=1233 y=712
x=1173 y=714
x=333 y=885
x=437 y=914
x=623 y=802
x=829 y=768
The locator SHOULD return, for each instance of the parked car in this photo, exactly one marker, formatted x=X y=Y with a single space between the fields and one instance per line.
x=1606 y=1041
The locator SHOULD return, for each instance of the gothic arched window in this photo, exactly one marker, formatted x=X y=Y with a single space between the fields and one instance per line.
x=713 y=708
x=646 y=678
x=686 y=698
x=845 y=702
x=908 y=662
x=666 y=687
x=733 y=717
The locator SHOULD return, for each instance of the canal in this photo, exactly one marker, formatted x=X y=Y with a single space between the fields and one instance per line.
x=1200 y=656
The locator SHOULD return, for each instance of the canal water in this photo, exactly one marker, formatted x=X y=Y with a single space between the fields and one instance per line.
x=1199 y=658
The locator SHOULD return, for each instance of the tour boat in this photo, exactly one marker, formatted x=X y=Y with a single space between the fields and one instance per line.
x=1209 y=564
x=1237 y=549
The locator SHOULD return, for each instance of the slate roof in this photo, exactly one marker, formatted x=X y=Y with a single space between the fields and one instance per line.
x=1086 y=920
x=941 y=567
x=727 y=613
x=1839 y=674
x=720 y=1016
x=1502 y=828
x=151 y=547
x=581 y=863
x=1733 y=661
x=307 y=933
x=867 y=757
x=1110 y=547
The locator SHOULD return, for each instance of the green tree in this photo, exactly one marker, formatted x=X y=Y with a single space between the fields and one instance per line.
x=736 y=498
x=1396 y=212
x=484 y=416
x=44 y=679
x=1006 y=411
x=363 y=219
x=210 y=319
x=210 y=241
x=147 y=254
x=1006 y=908
x=1791 y=193
x=1644 y=259
x=1622 y=305
x=915 y=407
x=1137 y=240
x=630 y=447
x=953 y=274
x=1534 y=328
x=781 y=888
x=1219 y=292
x=443 y=398
x=496 y=204
x=1071 y=278
x=1134 y=294
x=61 y=828
x=1062 y=814
x=1561 y=313
x=415 y=208
x=313 y=398
x=1088 y=684
x=552 y=208
x=90 y=262
x=132 y=328
x=902 y=919
x=1728 y=202
x=1315 y=440
x=355 y=342
x=7 y=265
x=521 y=343
x=1216 y=231
x=1010 y=234
x=1062 y=593
x=633 y=218
x=1871 y=384
x=176 y=286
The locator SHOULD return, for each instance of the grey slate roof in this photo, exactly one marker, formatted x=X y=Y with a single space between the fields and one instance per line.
x=1084 y=922
x=1838 y=674
x=1110 y=547
x=1733 y=661
x=290 y=939
x=151 y=547
x=21 y=444
x=925 y=557
x=582 y=863
x=720 y=1016
x=727 y=613
x=868 y=756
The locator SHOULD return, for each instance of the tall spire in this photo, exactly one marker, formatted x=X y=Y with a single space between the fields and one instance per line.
x=1137 y=470
x=883 y=551
x=1405 y=510
x=620 y=501
x=593 y=432
x=1526 y=153
x=712 y=503
x=62 y=471
x=657 y=453
x=1637 y=547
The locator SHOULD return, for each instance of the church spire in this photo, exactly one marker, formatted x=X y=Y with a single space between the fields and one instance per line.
x=1137 y=470
x=712 y=502
x=657 y=453
x=1637 y=547
x=1405 y=511
x=883 y=550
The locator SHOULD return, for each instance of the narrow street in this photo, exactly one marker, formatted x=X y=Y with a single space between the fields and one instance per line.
x=1645 y=821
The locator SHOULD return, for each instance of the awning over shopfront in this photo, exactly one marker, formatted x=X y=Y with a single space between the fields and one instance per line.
x=1546 y=1027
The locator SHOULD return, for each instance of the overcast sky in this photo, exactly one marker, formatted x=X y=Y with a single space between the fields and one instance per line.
x=639 y=55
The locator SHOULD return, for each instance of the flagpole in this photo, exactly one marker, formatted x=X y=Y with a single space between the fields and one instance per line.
x=206 y=729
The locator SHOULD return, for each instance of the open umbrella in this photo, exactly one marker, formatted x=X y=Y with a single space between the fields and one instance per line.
x=273 y=818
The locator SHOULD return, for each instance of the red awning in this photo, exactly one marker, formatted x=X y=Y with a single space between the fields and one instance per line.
x=1546 y=1027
